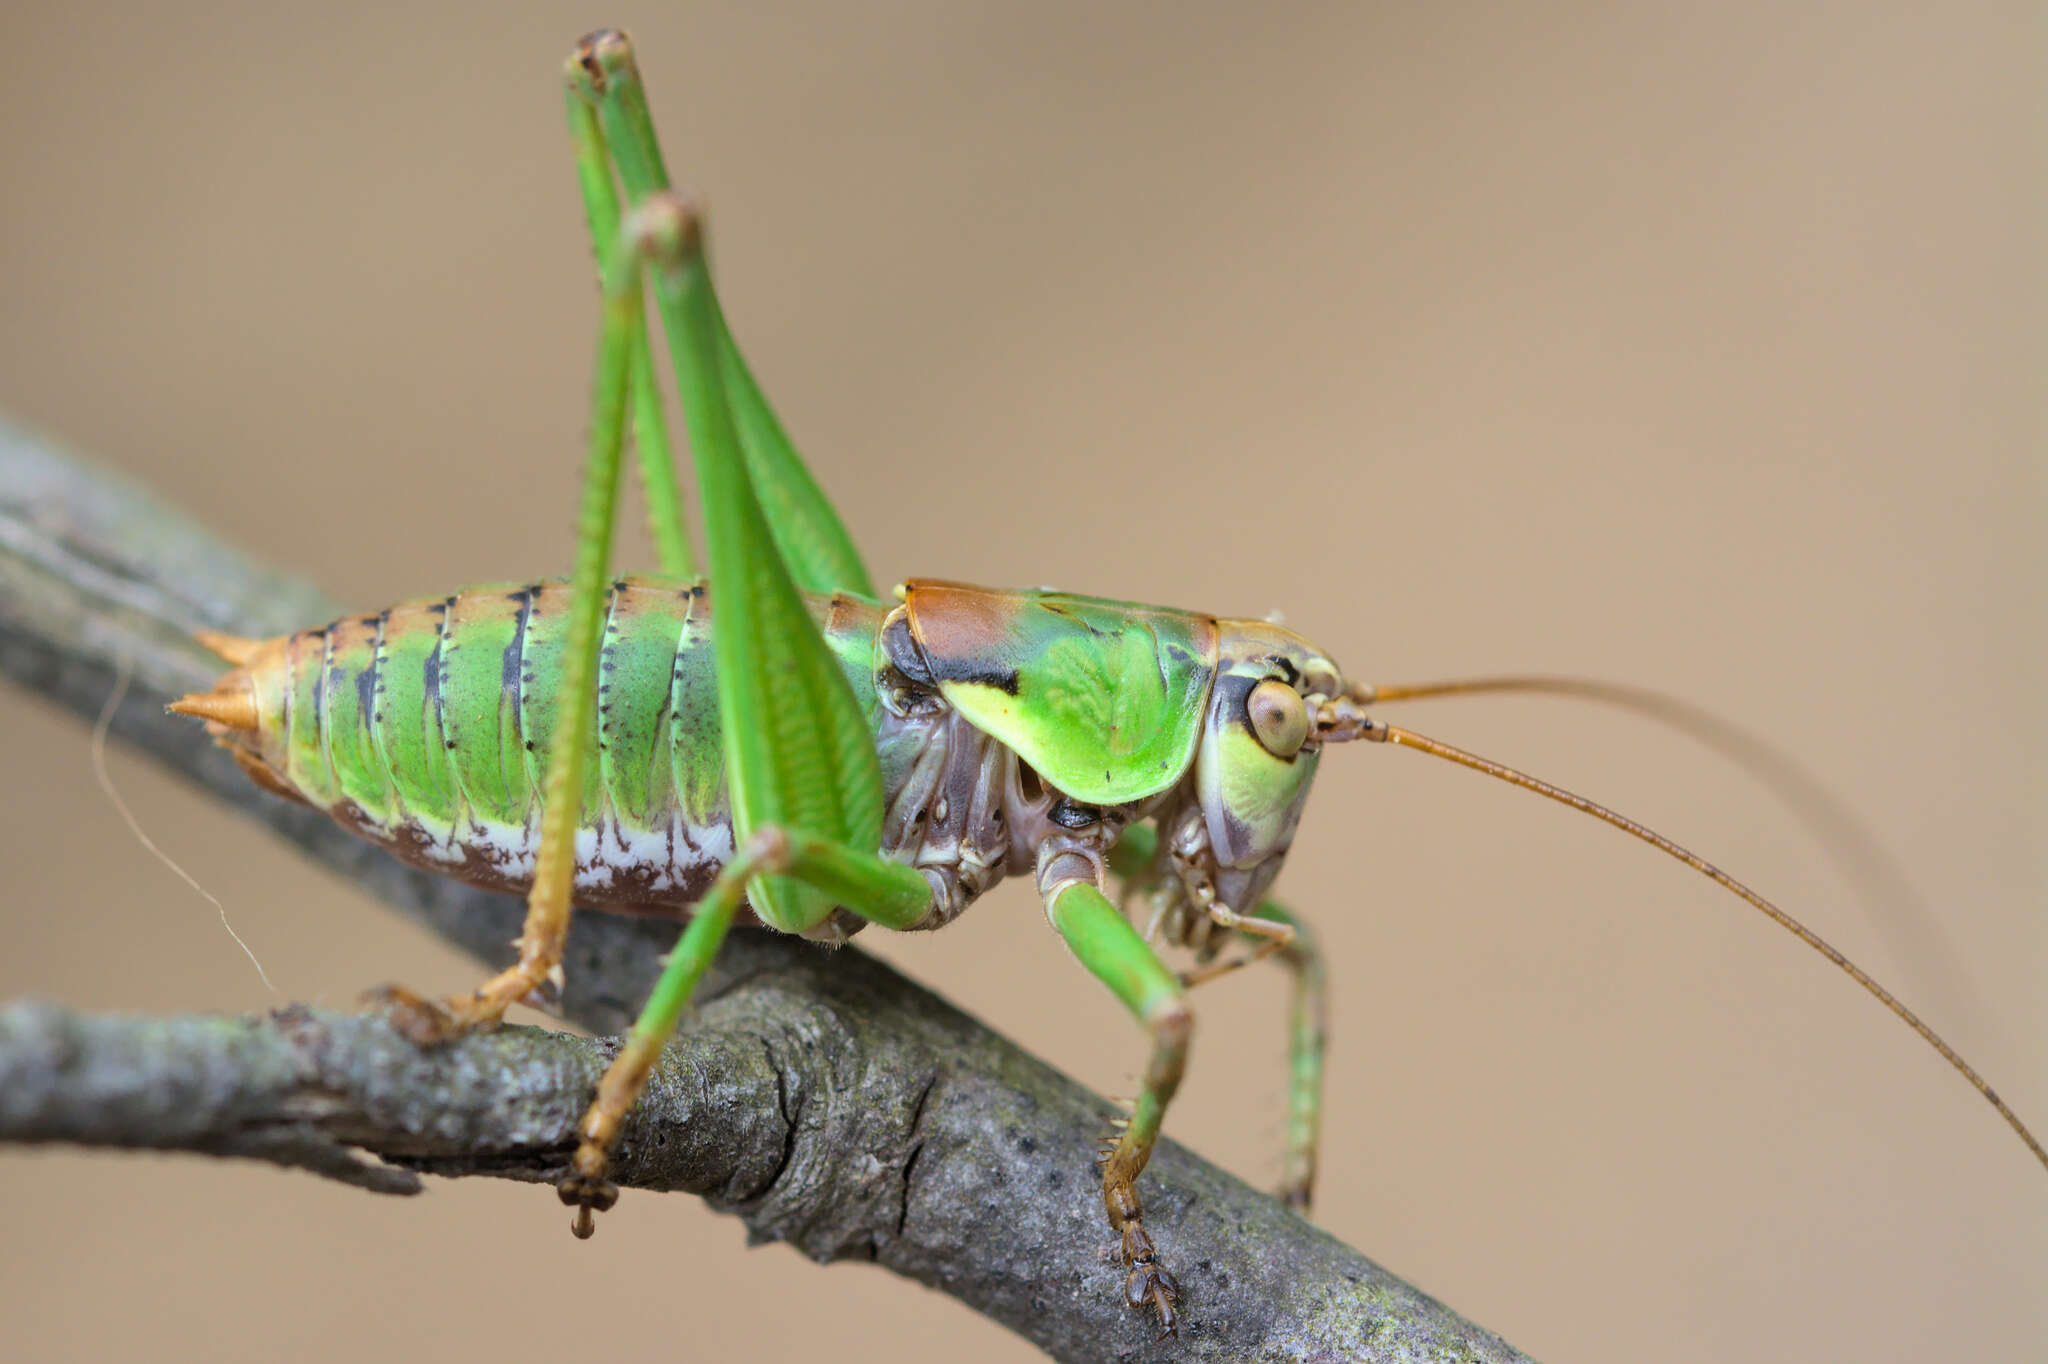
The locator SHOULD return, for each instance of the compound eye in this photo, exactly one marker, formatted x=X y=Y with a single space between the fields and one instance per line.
x=1279 y=717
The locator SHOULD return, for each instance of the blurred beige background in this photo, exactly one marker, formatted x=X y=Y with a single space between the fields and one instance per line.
x=1697 y=346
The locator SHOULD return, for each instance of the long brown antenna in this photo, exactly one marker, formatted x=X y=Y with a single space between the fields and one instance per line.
x=1860 y=854
x=1341 y=720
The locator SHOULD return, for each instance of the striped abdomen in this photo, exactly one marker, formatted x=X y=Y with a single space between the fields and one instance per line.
x=427 y=727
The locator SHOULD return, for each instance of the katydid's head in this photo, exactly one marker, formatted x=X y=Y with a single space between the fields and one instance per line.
x=1259 y=749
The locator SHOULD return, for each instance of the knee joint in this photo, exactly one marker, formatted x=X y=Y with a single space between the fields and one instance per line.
x=768 y=849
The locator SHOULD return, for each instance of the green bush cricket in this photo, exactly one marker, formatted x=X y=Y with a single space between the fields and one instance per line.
x=1042 y=683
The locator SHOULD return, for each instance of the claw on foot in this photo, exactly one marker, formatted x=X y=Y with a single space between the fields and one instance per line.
x=589 y=1195
x=428 y=1022
x=1149 y=1283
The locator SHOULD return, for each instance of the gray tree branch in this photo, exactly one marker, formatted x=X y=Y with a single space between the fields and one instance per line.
x=817 y=1095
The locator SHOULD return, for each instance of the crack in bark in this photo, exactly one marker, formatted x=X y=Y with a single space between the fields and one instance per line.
x=916 y=1149
x=787 y=1111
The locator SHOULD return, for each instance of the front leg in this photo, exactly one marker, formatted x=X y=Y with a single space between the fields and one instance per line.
x=1307 y=1038
x=1136 y=861
x=1112 y=950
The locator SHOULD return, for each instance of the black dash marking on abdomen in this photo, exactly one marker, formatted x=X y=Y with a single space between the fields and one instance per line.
x=509 y=669
x=375 y=674
x=431 y=678
x=320 y=680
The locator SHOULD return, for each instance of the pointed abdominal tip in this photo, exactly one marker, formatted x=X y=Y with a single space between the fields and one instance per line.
x=234 y=709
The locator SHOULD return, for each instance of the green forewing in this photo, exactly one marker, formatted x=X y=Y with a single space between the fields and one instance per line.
x=1103 y=698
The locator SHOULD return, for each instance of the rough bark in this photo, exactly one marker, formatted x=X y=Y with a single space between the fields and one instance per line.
x=819 y=1096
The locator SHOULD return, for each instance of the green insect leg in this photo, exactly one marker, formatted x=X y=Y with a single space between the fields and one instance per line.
x=809 y=536
x=882 y=892
x=549 y=905
x=650 y=428
x=806 y=786
x=1307 y=1038
x=1112 y=950
x=1134 y=861
x=1275 y=932
x=798 y=750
